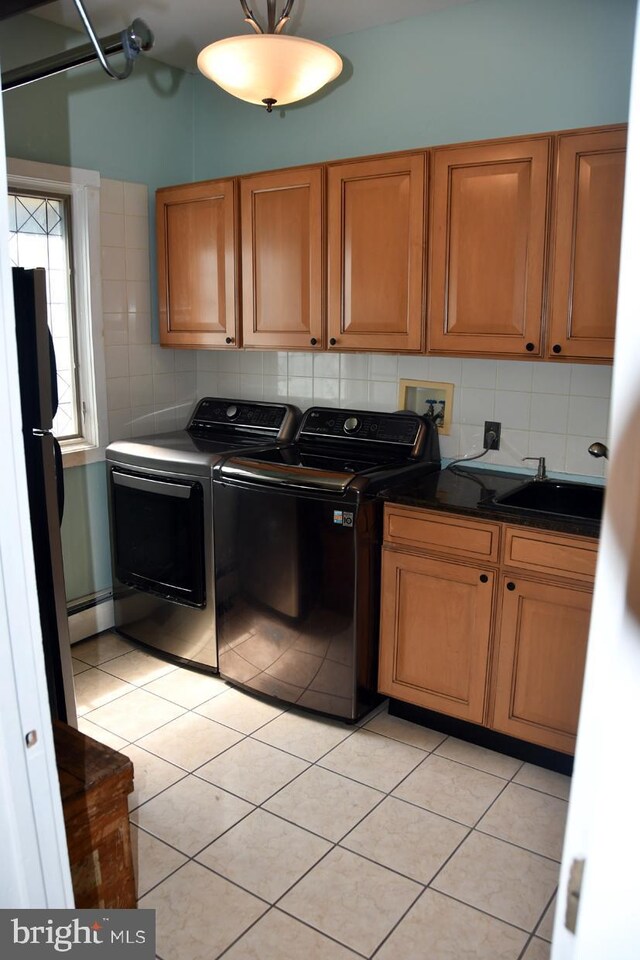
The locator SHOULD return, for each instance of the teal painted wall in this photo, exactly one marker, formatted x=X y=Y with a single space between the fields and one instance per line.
x=141 y=130
x=488 y=69
x=85 y=531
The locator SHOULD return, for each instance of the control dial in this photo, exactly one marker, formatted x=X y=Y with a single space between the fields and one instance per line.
x=351 y=425
x=232 y=411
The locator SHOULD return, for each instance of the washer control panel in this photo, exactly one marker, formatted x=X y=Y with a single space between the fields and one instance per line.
x=396 y=428
x=213 y=411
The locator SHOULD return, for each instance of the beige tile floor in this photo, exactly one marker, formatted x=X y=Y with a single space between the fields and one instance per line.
x=263 y=833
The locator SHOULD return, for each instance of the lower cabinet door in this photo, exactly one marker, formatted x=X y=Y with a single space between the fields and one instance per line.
x=435 y=630
x=542 y=646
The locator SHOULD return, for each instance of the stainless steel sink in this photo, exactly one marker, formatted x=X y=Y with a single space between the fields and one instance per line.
x=581 y=501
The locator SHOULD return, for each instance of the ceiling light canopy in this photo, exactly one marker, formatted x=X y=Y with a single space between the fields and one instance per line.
x=267 y=67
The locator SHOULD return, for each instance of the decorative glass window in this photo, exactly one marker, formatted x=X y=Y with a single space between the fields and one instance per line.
x=40 y=237
x=54 y=215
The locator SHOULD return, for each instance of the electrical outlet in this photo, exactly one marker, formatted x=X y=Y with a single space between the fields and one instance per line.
x=492 y=427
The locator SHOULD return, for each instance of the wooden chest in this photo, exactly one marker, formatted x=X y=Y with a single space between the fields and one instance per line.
x=94 y=784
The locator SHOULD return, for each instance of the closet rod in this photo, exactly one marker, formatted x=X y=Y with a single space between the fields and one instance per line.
x=133 y=40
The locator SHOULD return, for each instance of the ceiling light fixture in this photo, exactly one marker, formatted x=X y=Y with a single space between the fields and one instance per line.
x=267 y=67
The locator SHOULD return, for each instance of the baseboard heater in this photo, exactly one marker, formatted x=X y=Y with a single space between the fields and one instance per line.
x=90 y=615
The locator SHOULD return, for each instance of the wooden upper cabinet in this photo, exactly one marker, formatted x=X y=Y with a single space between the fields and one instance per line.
x=586 y=244
x=376 y=211
x=488 y=234
x=283 y=258
x=197 y=285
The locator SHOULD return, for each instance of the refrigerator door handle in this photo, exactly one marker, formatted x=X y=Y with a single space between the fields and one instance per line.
x=57 y=452
x=54 y=377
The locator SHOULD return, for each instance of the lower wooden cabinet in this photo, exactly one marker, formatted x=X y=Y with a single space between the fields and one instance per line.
x=436 y=625
x=541 y=651
x=499 y=641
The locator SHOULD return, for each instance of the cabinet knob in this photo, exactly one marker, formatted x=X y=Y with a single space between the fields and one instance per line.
x=333 y=341
x=313 y=341
x=557 y=348
x=229 y=340
x=511 y=585
x=484 y=578
x=530 y=347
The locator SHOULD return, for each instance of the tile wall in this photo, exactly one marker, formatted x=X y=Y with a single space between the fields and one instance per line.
x=546 y=409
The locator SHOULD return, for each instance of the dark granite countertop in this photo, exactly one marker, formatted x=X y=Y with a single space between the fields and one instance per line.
x=464 y=489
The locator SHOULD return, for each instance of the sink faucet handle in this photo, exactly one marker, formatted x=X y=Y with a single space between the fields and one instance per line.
x=541 y=473
x=598 y=449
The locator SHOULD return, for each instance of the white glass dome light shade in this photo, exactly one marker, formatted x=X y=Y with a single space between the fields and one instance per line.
x=269 y=67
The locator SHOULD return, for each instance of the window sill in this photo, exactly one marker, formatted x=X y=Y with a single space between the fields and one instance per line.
x=78 y=453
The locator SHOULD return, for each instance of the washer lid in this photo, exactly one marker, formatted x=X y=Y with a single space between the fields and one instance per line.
x=178 y=451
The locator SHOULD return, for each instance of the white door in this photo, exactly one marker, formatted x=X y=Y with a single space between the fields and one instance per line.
x=35 y=863
x=605 y=797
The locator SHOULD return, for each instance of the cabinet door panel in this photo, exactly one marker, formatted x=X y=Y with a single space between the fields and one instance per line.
x=376 y=253
x=435 y=633
x=586 y=253
x=282 y=259
x=197 y=264
x=488 y=234
x=540 y=667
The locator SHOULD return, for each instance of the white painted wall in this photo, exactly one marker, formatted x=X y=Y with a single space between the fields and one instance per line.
x=603 y=809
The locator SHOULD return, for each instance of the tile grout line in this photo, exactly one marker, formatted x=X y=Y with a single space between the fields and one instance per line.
x=334 y=844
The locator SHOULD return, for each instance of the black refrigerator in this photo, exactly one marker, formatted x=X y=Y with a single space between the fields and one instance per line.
x=39 y=401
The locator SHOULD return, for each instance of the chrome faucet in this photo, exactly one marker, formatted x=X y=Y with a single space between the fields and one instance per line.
x=598 y=449
x=541 y=473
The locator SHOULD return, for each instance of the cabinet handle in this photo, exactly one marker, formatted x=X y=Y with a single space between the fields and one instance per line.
x=557 y=348
x=333 y=341
x=229 y=340
x=484 y=578
x=530 y=347
x=313 y=341
x=511 y=585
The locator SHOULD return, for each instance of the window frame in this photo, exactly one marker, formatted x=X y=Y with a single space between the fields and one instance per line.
x=83 y=189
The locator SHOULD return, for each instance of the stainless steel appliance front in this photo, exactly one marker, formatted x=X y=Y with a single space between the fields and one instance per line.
x=297 y=559
x=161 y=519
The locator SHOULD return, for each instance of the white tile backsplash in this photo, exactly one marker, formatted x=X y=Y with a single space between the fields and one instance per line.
x=326 y=365
x=136 y=232
x=475 y=405
x=551 y=378
x=136 y=199
x=383 y=367
x=514 y=376
x=111 y=228
x=552 y=410
x=479 y=373
x=549 y=413
x=512 y=409
x=591 y=380
x=300 y=365
x=111 y=196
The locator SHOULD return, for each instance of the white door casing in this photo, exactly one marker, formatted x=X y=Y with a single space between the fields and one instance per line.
x=602 y=826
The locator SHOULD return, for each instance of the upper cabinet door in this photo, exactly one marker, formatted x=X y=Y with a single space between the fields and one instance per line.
x=282 y=259
x=586 y=249
x=197 y=285
x=376 y=211
x=488 y=234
